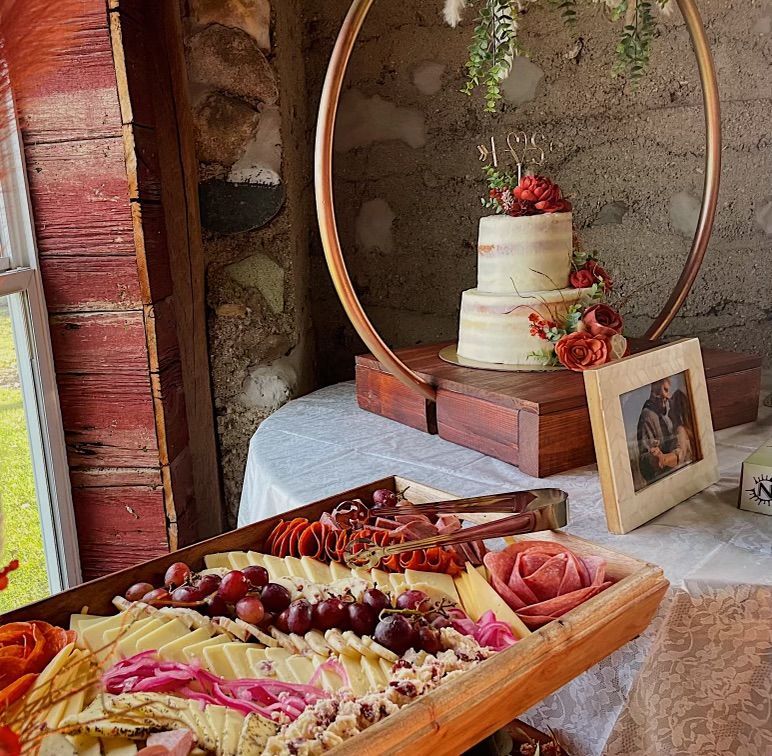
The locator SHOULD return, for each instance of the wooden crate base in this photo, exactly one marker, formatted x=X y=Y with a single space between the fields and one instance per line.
x=536 y=421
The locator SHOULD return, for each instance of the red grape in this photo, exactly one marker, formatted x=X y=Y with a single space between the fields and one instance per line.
x=138 y=591
x=187 y=593
x=208 y=584
x=234 y=586
x=300 y=617
x=275 y=597
x=157 y=594
x=217 y=606
x=376 y=600
x=439 y=622
x=176 y=575
x=362 y=618
x=282 y=622
x=256 y=575
x=429 y=639
x=331 y=612
x=384 y=498
x=250 y=609
x=396 y=633
x=413 y=599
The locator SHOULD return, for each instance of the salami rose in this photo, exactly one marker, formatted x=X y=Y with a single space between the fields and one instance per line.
x=541 y=580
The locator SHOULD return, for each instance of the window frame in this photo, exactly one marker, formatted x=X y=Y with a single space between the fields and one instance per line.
x=20 y=275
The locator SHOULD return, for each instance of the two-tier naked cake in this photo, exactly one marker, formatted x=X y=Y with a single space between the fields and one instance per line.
x=523 y=268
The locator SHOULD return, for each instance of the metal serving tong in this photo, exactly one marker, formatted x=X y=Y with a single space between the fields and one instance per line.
x=539 y=509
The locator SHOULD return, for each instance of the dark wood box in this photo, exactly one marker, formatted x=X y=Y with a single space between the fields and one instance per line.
x=538 y=422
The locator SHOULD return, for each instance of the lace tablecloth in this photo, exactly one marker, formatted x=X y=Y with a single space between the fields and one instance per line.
x=699 y=680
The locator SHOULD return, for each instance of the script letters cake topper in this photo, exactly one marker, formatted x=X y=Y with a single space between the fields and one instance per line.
x=525 y=151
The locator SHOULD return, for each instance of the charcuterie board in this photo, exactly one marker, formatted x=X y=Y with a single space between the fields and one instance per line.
x=506 y=659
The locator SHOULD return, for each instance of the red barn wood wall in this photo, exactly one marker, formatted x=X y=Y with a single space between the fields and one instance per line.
x=120 y=252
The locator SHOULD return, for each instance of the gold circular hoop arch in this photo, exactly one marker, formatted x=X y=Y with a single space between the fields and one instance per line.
x=325 y=204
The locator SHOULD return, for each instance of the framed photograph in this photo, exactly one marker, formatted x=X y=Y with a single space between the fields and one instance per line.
x=653 y=432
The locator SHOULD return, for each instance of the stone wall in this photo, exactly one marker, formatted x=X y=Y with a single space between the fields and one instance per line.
x=408 y=180
x=249 y=105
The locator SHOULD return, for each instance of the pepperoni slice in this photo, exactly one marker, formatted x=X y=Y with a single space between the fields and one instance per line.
x=311 y=541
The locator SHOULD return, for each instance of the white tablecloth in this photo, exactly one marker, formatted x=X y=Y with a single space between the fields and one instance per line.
x=698 y=681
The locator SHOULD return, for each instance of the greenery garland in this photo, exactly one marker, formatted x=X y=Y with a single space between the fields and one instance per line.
x=495 y=44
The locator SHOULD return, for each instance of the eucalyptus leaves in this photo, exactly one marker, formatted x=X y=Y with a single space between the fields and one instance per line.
x=495 y=44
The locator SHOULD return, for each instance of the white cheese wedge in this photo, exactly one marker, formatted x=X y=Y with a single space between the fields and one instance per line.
x=237 y=560
x=300 y=668
x=339 y=571
x=175 y=649
x=239 y=661
x=118 y=747
x=485 y=598
x=376 y=679
x=356 y=677
x=259 y=665
x=256 y=558
x=195 y=652
x=85 y=745
x=278 y=657
x=439 y=582
x=218 y=662
x=317 y=643
x=380 y=580
x=398 y=583
x=167 y=633
x=361 y=574
x=357 y=646
x=79 y=622
x=328 y=679
x=295 y=567
x=231 y=732
x=317 y=571
x=276 y=567
x=127 y=644
x=337 y=642
x=217 y=560
x=386 y=667
x=380 y=650
x=92 y=634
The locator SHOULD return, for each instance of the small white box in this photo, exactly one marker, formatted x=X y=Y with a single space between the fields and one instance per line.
x=756 y=481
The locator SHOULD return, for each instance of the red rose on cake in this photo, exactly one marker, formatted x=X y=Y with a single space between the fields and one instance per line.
x=590 y=273
x=545 y=196
x=601 y=320
x=581 y=350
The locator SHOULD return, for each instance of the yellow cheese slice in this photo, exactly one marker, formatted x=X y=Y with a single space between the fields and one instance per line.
x=195 y=652
x=174 y=650
x=438 y=581
x=278 y=658
x=216 y=717
x=376 y=679
x=386 y=667
x=237 y=656
x=483 y=570
x=85 y=745
x=256 y=558
x=92 y=634
x=207 y=739
x=79 y=622
x=57 y=686
x=229 y=742
x=398 y=583
x=361 y=574
x=276 y=567
x=357 y=646
x=167 y=633
x=300 y=668
x=127 y=644
x=465 y=594
x=339 y=571
x=258 y=662
x=327 y=679
x=295 y=567
x=118 y=747
x=237 y=560
x=317 y=643
x=217 y=560
x=317 y=571
x=380 y=580
x=218 y=662
x=356 y=677
x=486 y=598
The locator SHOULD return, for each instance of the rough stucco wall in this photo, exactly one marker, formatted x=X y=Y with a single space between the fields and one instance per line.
x=408 y=180
x=248 y=99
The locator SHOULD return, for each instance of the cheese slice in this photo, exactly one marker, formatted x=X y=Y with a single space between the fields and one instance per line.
x=118 y=747
x=439 y=582
x=229 y=742
x=362 y=574
x=202 y=726
x=238 y=658
x=79 y=622
x=175 y=649
x=381 y=651
x=217 y=560
x=218 y=662
x=316 y=571
x=357 y=646
x=258 y=663
x=127 y=644
x=276 y=567
x=92 y=634
x=254 y=735
x=380 y=580
x=317 y=643
x=328 y=679
x=195 y=651
x=485 y=598
x=337 y=642
x=85 y=745
x=216 y=717
x=278 y=658
x=398 y=583
x=295 y=567
x=386 y=668
x=256 y=558
x=465 y=594
x=300 y=668
x=57 y=686
x=339 y=571
x=237 y=560
x=356 y=677
x=376 y=679
x=167 y=633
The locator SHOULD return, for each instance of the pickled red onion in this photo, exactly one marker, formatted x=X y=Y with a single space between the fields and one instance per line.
x=487 y=631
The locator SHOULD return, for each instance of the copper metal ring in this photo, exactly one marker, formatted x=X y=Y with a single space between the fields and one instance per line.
x=325 y=205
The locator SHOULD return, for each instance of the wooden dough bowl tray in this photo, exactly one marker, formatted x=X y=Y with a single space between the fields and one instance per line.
x=464 y=710
x=538 y=422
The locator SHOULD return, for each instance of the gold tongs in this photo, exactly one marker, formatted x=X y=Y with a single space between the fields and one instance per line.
x=539 y=509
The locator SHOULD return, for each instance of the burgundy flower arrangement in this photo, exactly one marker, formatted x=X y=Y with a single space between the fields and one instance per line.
x=533 y=195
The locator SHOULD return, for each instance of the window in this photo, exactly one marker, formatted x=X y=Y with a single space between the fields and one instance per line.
x=39 y=523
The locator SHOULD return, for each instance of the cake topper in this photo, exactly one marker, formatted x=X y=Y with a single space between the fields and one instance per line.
x=526 y=151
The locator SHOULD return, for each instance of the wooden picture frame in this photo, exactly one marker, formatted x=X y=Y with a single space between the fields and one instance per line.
x=653 y=433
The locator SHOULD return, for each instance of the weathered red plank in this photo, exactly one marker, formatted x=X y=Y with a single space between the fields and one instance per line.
x=99 y=342
x=119 y=527
x=108 y=420
x=116 y=477
x=80 y=198
x=77 y=284
x=78 y=98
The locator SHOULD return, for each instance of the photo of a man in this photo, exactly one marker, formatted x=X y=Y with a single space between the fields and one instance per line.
x=659 y=429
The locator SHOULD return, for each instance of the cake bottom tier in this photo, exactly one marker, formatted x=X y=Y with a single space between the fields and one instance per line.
x=495 y=327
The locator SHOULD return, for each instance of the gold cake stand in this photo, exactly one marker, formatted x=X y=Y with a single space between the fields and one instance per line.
x=450 y=354
x=325 y=203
